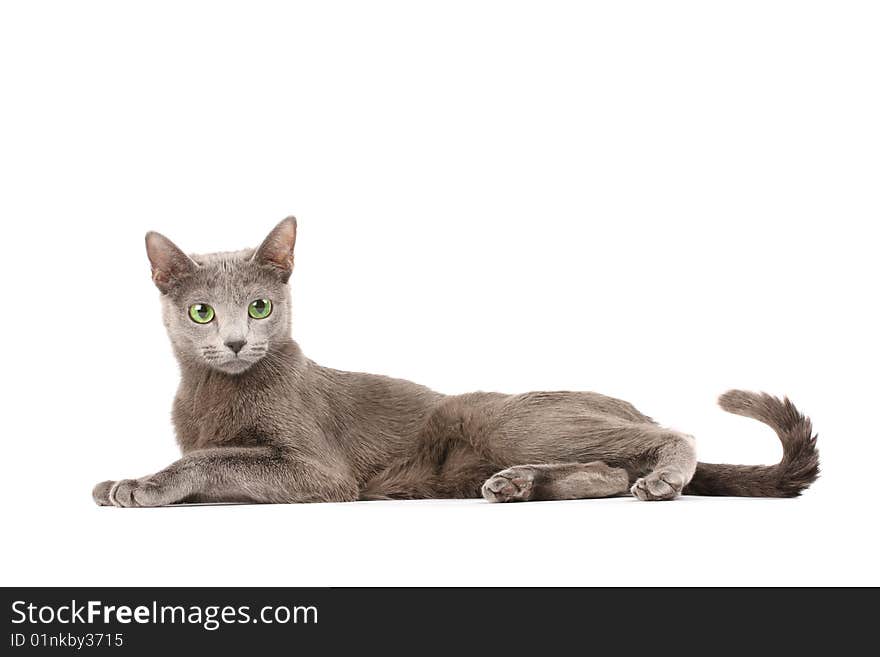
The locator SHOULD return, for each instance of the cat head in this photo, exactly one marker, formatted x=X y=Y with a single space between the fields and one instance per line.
x=225 y=310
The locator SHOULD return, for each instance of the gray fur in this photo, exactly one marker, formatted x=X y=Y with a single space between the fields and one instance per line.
x=267 y=424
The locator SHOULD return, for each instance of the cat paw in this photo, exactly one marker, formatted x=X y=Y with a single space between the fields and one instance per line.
x=658 y=486
x=515 y=484
x=128 y=493
x=101 y=493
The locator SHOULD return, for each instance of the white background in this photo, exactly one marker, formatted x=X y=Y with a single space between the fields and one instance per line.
x=657 y=201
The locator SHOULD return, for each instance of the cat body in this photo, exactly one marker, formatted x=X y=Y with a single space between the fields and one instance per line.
x=257 y=421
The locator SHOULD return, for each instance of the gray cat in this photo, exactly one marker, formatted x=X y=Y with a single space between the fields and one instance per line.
x=259 y=422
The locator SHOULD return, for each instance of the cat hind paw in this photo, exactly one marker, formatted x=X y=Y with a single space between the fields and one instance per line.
x=515 y=484
x=658 y=486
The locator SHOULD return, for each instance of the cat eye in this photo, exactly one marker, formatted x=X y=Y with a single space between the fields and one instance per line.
x=260 y=309
x=201 y=313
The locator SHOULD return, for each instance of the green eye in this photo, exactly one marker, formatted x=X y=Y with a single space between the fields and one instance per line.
x=201 y=313
x=260 y=309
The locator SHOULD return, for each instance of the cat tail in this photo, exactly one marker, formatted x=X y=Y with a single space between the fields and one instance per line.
x=798 y=468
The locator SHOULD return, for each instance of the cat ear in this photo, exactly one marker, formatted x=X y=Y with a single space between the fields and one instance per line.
x=277 y=249
x=169 y=264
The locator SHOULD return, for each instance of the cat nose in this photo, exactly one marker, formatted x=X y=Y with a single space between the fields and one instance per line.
x=236 y=345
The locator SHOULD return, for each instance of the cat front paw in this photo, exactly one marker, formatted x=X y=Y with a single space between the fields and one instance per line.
x=658 y=486
x=515 y=484
x=129 y=493
x=101 y=493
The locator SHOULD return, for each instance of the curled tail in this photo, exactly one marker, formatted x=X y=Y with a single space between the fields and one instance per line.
x=798 y=468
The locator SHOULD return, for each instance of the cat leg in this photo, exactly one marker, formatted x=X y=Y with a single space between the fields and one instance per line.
x=555 y=481
x=232 y=474
x=674 y=461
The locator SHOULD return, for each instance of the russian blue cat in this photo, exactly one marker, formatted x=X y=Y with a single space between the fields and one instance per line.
x=259 y=422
